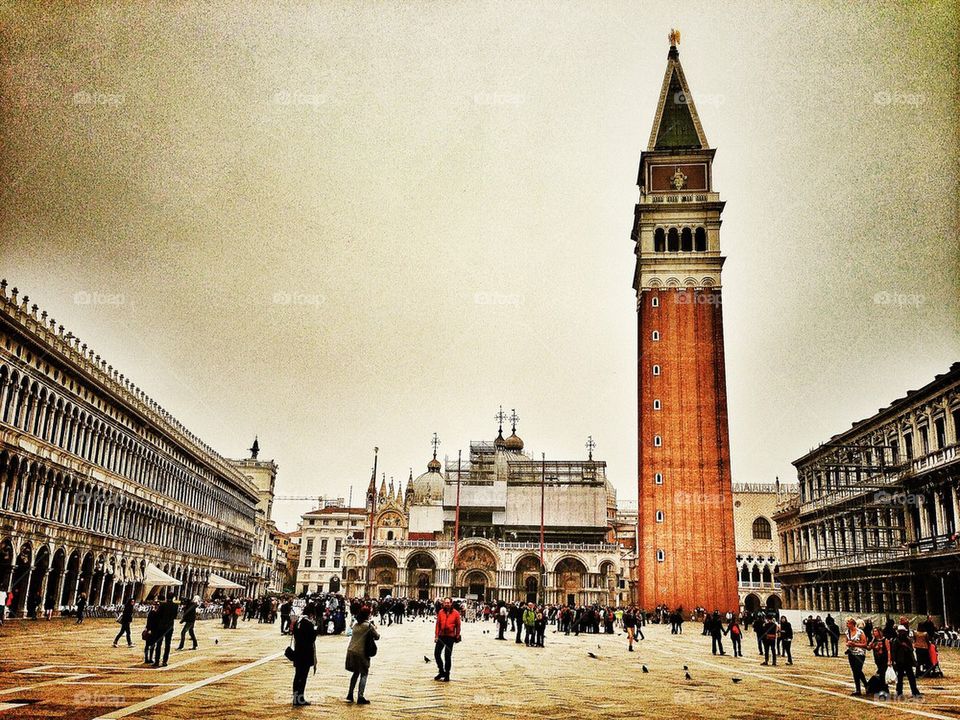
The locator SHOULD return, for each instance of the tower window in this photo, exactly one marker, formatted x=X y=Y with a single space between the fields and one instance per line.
x=659 y=240
x=658 y=478
x=656 y=404
x=686 y=240
x=657 y=441
x=656 y=369
x=673 y=240
x=700 y=240
x=654 y=301
x=659 y=516
x=655 y=335
x=761 y=529
x=661 y=556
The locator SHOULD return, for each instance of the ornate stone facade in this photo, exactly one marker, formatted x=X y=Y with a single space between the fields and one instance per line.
x=97 y=480
x=873 y=527
x=475 y=533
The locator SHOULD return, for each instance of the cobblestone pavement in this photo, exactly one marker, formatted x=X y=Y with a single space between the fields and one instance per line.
x=61 y=670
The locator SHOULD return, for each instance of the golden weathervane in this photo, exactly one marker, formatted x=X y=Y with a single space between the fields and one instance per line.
x=674 y=36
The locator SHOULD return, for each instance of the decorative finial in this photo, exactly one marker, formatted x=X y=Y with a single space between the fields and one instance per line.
x=255 y=448
x=500 y=417
x=436 y=443
x=590 y=446
x=514 y=419
x=674 y=37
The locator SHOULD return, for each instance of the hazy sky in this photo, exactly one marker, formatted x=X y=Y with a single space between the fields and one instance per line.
x=342 y=225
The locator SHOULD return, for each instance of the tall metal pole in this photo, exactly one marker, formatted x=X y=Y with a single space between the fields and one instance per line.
x=372 y=503
x=543 y=492
x=456 y=528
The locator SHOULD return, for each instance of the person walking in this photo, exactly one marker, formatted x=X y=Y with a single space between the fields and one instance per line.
x=502 y=619
x=304 y=652
x=150 y=632
x=834 y=632
x=769 y=638
x=529 y=625
x=901 y=654
x=715 y=629
x=125 y=618
x=736 y=636
x=758 y=624
x=447 y=633
x=540 y=625
x=856 y=653
x=81 y=607
x=358 y=658
x=630 y=625
x=188 y=619
x=285 y=609
x=517 y=611
x=48 y=606
x=786 y=639
x=166 y=619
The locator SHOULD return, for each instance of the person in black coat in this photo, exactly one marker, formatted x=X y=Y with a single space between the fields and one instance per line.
x=188 y=619
x=714 y=627
x=150 y=632
x=126 y=617
x=166 y=619
x=833 y=630
x=786 y=639
x=304 y=652
x=81 y=607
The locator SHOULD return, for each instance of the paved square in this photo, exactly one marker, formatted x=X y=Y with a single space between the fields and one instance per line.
x=60 y=670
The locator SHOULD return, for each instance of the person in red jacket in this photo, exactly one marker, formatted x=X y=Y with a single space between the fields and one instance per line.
x=447 y=633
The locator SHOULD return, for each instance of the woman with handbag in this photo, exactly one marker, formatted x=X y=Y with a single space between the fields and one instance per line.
x=304 y=653
x=363 y=646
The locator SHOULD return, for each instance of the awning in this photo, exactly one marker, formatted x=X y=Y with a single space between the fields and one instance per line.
x=216 y=582
x=155 y=577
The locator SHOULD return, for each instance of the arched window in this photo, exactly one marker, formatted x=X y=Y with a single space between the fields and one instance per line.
x=755 y=574
x=659 y=241
x=766 y=575
x=655 y=335
x=656 y=405
x=686 y=240
x=389 y=534
x=659 y=516
x=656 y=369
x=661 y=555
x=657 y=441
x=654 y=301
x=673 y=240
x=744 y=574
x=658 y=478
x=761 y=529
x=700 y=240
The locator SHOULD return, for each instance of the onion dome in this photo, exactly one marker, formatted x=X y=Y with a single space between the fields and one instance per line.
x=513 y=442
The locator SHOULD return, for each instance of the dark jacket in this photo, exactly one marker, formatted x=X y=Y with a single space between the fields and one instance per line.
x=189 y=613
x=304 y=642
x=786 y=631
x=901 y=652
x=126 y=615
x=166 y=615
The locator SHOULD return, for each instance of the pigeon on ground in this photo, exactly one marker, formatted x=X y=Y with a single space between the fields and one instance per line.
x=685 y=667
x=598 y=645
x=688 y=676
x=591 y=654
x=426 y=659
x=216 y=641
x=736 y=680
x=644 y=667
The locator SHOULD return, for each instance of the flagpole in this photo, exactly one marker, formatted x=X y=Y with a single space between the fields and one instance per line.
x=456 y=527
x=543 y=491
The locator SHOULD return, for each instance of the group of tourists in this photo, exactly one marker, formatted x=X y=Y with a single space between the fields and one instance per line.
x=302 y=651
x=898 y=652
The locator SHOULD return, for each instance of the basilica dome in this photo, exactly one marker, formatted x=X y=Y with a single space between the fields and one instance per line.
x=514 y=442
x=429 y=487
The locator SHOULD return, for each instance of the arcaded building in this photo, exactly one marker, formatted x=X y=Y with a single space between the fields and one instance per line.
x=873 y=526
x=97 y=480
x=476 y=533
x=686 y=546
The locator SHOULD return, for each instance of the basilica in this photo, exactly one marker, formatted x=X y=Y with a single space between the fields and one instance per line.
x=501 y=525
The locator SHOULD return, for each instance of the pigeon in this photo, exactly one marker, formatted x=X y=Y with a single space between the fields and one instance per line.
x=216 y=641
x=598 y=646
x=685 y=667
x=736 y=680
x=644 y=667
x=688 y=676
x=426 y=659
x=591 y=654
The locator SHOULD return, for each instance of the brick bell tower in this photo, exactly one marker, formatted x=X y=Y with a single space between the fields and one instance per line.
x=686 y=555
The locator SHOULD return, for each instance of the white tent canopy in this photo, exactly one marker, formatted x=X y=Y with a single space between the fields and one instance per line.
x=216 y=582
x=155 y=577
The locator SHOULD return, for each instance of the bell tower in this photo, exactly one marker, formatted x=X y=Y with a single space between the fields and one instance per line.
x=686 y=554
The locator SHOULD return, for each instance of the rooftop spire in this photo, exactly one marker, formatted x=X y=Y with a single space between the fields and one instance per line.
x=676 y=125
x=255 y=448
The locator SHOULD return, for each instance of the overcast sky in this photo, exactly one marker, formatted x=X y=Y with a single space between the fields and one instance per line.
x=345 y=225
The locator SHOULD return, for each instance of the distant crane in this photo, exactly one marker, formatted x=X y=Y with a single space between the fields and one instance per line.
x=320 y=500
